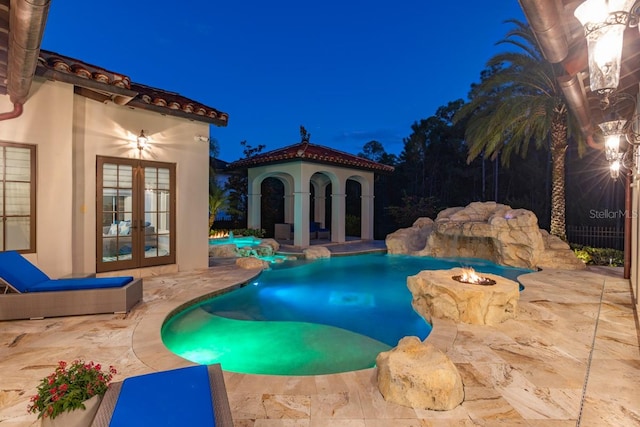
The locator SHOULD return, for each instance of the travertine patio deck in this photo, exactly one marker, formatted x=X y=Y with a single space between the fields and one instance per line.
x=571 y=357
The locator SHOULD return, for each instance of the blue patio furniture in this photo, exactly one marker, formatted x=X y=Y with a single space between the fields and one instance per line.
x=29 y=293
x=191 y=396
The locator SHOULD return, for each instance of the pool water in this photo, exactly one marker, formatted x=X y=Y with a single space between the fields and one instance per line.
x=308 y=318
x=247 y=246
x=238 y=241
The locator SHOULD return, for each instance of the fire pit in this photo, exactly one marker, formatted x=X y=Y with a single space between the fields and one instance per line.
x=469 y=276
x=441 y=294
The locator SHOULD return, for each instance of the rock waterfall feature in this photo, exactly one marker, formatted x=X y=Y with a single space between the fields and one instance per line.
x=486 y=230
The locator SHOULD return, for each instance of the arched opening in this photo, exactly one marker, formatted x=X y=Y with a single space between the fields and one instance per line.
x=353 y=214
x=315 y=195
x=271 y=204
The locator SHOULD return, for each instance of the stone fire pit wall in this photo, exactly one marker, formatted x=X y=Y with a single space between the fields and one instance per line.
x=436 y=294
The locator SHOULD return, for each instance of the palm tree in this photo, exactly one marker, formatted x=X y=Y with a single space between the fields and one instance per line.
x=519 y=101
x=217 y=202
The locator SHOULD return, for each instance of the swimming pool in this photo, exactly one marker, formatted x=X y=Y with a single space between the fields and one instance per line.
x=248 y=246
x=307 y=318
x=238 y=241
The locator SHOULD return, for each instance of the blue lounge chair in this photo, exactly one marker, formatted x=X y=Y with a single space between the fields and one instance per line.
x=192 y=396
x=29 y=293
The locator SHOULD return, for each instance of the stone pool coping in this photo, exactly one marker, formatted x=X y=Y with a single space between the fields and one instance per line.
x=570 y=355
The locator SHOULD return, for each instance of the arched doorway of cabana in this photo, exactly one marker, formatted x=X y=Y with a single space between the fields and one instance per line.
x=316 y=206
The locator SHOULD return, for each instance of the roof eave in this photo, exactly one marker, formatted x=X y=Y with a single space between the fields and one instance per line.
x=177 y=113
x=247 y=163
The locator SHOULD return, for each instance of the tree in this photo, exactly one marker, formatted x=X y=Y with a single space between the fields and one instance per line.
x=237 y=186
x=432 y=163
x=412 y=208
x=217 y=201
x=217 y=195
x=374 y=151
x=520 y=102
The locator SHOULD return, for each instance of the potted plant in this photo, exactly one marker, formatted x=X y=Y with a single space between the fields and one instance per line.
x=70 y=396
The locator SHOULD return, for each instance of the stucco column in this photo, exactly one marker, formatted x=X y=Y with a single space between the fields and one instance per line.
x=288 y=208
x=302 y=210
x=338 y=212
x=253 y=210
x=366 y=217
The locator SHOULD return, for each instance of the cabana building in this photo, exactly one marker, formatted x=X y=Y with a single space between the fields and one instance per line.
x=315 y=180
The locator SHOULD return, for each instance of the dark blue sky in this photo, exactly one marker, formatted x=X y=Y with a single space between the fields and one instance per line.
x=349 y=71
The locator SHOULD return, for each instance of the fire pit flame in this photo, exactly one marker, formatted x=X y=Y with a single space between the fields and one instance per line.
x=219 y=234
x=469 y=276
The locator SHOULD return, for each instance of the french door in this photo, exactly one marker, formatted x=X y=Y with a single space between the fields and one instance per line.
x=135 y=210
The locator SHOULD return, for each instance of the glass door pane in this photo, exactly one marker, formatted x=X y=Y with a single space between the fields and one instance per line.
x=157 y=207
x=117 y=212
x=136 y=202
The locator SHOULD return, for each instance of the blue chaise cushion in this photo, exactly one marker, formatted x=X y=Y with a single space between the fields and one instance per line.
x=179 y=397
x=25 y=277
x=80 y=283
x=17 y=271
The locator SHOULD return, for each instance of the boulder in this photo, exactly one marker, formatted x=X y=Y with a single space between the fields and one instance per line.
x=407 y=240
x=250 y=263
x=558 y=254
x=223 y=251
x=275 y=246
x=486 y=230
x=418 y=375
x=437 y=294
x=316 y=252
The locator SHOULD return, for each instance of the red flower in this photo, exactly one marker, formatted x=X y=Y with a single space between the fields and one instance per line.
x=68 y=386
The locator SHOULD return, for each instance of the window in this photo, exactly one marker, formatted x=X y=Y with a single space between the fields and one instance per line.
x=17 y=197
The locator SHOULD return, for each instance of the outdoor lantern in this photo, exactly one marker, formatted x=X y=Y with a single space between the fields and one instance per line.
x=612 y=131
x=614 y=169
x=604 y=22
x=142 y=140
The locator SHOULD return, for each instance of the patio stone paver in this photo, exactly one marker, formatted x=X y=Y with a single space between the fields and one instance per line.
x=567 y=359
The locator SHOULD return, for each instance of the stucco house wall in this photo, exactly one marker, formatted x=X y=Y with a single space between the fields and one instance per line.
x=47 y=122
x=70 y=131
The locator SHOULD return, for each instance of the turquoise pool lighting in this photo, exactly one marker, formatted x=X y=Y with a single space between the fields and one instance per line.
x=238 y=241
x=248 y=246
x=308 y=318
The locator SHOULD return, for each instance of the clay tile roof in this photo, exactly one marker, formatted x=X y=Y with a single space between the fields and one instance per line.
x=59 y=67
x=305 y=151
x=178 y=103
x=82 y=69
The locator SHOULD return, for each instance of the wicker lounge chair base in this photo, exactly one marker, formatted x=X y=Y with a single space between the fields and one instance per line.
x=37 y=305
x=177 y=400
x=30 y=294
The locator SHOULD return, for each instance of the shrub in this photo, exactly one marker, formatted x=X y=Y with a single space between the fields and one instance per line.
x=255 y=232
x=599 y=256
x=352 y=225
